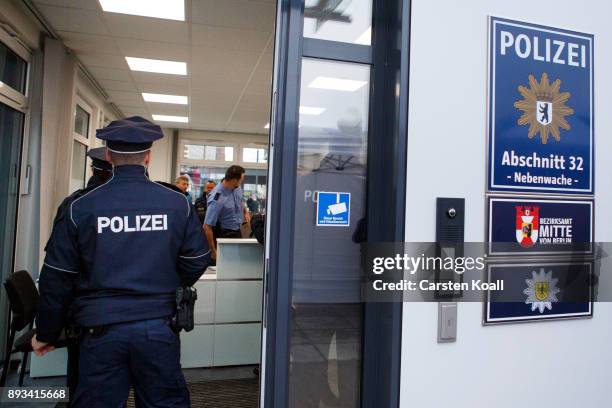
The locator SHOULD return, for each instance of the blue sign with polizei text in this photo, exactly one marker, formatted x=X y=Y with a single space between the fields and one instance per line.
x=333 y=209
x=540 y=109
x=540 y=291
x=538 y=226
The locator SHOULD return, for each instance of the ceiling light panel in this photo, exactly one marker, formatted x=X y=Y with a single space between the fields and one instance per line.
x=158 y=66
x=166 y=9
x=163 y=98
x=169 y=118
x=337 y=84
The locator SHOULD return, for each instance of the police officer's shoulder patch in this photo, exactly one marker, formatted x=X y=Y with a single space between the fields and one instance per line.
x=217 y=195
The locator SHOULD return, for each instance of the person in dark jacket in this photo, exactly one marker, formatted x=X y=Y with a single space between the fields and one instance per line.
x=101 y=171
x=258 y=228
x=201 y=203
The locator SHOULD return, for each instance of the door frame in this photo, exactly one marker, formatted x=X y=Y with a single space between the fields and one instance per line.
x=20 y=102
x=387 y=154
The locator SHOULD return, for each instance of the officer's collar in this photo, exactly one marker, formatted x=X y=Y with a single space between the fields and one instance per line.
x=229 y=190
x=130 y=170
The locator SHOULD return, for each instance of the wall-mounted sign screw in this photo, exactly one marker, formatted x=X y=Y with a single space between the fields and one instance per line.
x=451 y=213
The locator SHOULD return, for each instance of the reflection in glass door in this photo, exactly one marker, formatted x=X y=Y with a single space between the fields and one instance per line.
x=11 y=131
x=339 y=126
x=325 y=350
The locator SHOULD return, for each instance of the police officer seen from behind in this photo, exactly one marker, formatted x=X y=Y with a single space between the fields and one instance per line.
x=226 y=212
x=101 y=172
x=127 y=245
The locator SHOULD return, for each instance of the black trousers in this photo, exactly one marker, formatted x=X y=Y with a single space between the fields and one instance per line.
x=226 y=233
x=72 y=372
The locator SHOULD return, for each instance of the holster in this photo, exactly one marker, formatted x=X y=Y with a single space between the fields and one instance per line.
x=184 y=318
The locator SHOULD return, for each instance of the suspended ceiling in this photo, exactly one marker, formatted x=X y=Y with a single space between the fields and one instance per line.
x=227 y=45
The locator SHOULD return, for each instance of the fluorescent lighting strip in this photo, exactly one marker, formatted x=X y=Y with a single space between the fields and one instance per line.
x=169 y=118
x=311 y=110
x=337 y=84
x=158 y=66
x=166 y=9
x=162 y=98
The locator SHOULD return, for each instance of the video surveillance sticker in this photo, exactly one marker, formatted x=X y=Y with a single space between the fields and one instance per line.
x=333 y=209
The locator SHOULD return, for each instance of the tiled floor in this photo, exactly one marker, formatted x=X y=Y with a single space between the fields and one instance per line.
x=325 y=355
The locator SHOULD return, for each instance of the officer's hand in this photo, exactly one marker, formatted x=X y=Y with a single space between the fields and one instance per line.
x=213 y=254
x=41 y=348
x=247 y=217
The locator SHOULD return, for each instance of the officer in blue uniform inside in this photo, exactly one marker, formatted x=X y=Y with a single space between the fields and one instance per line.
x=225 y=210
x=126 y=245
x=101 y=171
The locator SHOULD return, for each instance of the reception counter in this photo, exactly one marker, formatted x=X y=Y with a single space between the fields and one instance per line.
x=228 y=309
x=227 y=314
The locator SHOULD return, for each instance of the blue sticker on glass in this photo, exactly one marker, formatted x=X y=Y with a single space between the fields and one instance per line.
x=333 y=209
x=540 y=109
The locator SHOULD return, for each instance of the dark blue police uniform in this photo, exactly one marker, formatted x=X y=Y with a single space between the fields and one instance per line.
x=127 y=245
x=102 y=171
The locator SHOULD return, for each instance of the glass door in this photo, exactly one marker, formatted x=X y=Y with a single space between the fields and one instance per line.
x=326 y=310
x=13 y=100
x=337 y=154
x=11 y=131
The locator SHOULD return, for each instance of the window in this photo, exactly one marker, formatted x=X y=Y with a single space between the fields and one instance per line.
x=81 y=121
x=14 y=59
x=199 y=175
x=207 y=152
x=254 y=155
x=79 y=166
x=255 y=190
x=204 y=160
x=13 y=69
x=80 y=144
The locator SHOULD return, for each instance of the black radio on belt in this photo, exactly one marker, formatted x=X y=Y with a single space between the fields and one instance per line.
x=185 y=303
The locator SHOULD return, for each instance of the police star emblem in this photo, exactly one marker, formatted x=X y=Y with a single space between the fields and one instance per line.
x=541 y=290
x=543 y=107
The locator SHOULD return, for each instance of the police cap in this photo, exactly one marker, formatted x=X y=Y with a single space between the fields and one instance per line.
x=130 y=135
x=98 y=159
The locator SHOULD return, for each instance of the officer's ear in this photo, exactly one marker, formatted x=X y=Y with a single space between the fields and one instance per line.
x=107 y=156
x=147 y=159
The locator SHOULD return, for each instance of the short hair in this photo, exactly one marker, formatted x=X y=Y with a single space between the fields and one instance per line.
x=122 y=159
x=234 y=172
x=182 y=177
x=210 y=181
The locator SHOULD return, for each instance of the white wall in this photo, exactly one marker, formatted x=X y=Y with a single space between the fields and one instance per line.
x=160 y=168
x=562 y=364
